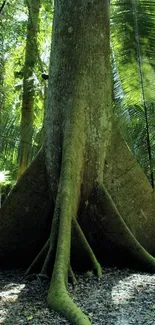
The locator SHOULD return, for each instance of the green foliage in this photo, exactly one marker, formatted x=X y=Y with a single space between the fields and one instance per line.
x=133 y=67
x=133 y=44
x=14 y=27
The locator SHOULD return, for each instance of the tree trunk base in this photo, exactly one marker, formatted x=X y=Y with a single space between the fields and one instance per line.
x=25 y=217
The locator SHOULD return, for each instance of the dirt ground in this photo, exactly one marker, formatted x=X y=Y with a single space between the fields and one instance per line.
x=120 y=297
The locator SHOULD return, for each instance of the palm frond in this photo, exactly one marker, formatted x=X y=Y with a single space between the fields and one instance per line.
x=133 y=44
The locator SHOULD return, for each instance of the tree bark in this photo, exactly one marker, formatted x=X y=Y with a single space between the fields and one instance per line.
x=78 y=119
x=1 y=67
x=130 y=190
x=27 y=113
x=83 y=150
x=14 y=246
x=25 y=217
x=123 y=178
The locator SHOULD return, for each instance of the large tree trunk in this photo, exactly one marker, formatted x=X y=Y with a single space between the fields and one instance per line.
x=83 y=150
x=18 y=245
x=78 y=127
x=127 y=185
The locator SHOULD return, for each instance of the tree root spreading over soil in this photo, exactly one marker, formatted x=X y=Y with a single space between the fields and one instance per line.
x=119 y=297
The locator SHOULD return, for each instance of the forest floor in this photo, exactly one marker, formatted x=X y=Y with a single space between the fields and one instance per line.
x=120 y=297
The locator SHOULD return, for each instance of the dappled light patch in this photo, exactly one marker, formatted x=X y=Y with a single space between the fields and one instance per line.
x=11 y=291
x=128 y=288
x=8 y=296
x=133 y=296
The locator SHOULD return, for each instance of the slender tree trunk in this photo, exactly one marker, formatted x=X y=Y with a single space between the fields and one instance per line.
x=1 y=66
x=2 y=101
x=28 y=86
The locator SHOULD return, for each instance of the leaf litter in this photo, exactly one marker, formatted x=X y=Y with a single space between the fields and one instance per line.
x=120 y=297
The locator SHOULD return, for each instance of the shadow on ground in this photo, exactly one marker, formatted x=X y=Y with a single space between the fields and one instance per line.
x=120 y=297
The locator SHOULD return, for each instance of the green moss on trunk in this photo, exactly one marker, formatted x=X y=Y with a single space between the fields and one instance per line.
x=27 y=114
x=77 y=126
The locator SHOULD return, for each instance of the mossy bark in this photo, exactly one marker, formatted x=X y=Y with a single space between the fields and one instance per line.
x=81 y=153
x=77 y=125
x=27 y=112
x=32 y=195
x=1 y=67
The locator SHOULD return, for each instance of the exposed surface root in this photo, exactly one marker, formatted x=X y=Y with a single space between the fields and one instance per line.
x=59 y=300
x=48 y=263
x=34 y=267
x=84 y=245
x=113 y=225
x=45 y=258
x=71 y=276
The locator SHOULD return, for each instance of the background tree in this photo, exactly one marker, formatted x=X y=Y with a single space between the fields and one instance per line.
x=31 y=55
x=1 y=61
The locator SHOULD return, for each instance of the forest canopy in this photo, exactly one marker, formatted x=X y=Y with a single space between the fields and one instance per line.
x=132 y=63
